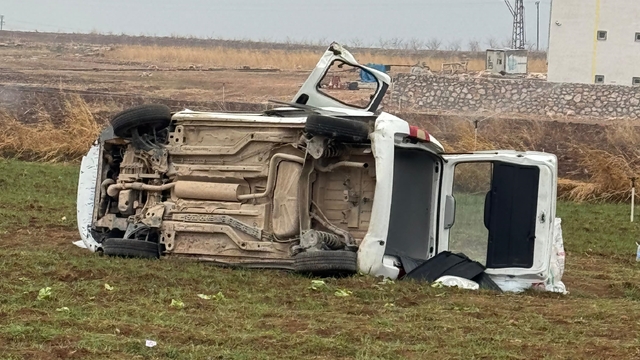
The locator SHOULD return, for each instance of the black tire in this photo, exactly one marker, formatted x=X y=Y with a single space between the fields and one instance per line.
x=326 y=262
x=131 y=248
x=147 y=118
x=344 y=130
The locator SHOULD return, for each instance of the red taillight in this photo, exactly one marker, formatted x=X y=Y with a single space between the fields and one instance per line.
x=418 y=134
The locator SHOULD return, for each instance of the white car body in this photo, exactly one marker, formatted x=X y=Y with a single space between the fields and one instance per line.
x=388 y=139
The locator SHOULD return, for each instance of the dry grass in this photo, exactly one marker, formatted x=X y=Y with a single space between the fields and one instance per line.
x=609 y=177
x=610 y=163
x=281 y=59
x=46 y=141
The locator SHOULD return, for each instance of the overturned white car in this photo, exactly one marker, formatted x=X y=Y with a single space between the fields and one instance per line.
x=316 y=186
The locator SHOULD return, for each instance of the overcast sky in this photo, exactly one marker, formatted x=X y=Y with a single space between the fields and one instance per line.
x=329 y=20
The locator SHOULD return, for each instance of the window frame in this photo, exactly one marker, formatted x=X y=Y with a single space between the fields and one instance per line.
x=453 y=228
x=605 y=34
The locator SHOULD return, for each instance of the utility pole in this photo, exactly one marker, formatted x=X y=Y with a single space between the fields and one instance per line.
x=518 y=35
x=538 y=26
x=1 y=22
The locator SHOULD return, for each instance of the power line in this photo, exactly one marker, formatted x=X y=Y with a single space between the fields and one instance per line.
x=518 y=38
x=1 y=22
x=538 y=26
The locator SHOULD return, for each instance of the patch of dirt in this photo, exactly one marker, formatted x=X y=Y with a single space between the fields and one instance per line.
x=28 y=312
x=288 y=324
x=365 y=311
x=70 y=353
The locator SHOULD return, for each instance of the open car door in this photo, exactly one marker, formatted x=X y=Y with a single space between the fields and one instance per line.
x=338 y=81
x=499 y=209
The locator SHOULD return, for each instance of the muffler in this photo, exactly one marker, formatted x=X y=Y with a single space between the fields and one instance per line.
x=197 y=190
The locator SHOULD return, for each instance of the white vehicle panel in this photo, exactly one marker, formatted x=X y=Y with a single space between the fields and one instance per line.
x=546 y=205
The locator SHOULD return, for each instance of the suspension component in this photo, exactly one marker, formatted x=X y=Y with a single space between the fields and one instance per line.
x=319 y=240
x=332 y=150
x=332 y=241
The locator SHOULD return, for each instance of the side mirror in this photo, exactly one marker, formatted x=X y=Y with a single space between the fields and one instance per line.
x=449 y=211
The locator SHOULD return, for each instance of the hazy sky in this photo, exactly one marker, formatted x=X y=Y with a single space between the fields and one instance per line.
x=339 y=20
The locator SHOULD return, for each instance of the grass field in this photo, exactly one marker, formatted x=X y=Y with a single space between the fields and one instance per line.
x=271 y=314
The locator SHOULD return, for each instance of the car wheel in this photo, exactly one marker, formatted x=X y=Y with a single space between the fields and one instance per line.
x=326 y=262
x=344 y=130
x=131 y=248
x=147 y=118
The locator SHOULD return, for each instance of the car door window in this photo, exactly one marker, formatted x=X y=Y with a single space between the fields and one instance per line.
x=344 y=83
x=469 y=234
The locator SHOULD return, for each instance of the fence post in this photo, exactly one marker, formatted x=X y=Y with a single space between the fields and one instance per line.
x=633 y=196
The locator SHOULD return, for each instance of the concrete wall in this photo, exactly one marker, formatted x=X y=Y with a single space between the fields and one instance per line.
x=467 y=95
x=575 y=53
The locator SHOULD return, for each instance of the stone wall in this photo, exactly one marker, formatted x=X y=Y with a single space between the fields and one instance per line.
x=464 y=94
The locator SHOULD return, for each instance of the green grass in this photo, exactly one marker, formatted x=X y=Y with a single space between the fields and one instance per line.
x=37 y=194
x=275 y=315
x=469 y=235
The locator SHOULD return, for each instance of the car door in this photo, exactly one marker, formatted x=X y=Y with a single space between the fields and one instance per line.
x=498 y=208
x=330 y=84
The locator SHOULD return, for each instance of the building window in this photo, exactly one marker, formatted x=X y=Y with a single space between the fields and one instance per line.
x=599 y=79
x=638 y=36
x=636 y=81
x=602 y=35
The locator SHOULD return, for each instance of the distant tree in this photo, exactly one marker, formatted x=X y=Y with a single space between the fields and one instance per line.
x=433 y=44
x=416 y=44
x=383 y=43
x=506 y=43
x=396 y=43
x=322 y=42
x=474 y=45
x=493 y=42
x=454 y=45
x=356 y=43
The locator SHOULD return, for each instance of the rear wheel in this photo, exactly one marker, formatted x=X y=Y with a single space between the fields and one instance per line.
x=326 y=263
x=344 y=130
x=131 y=248
x=146 y=118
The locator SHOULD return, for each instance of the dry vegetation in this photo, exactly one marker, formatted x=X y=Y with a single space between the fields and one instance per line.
x=280 y=59
x=46 y=141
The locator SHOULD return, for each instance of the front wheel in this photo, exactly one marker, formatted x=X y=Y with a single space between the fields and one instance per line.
x=326 y=262
x=131 y=248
